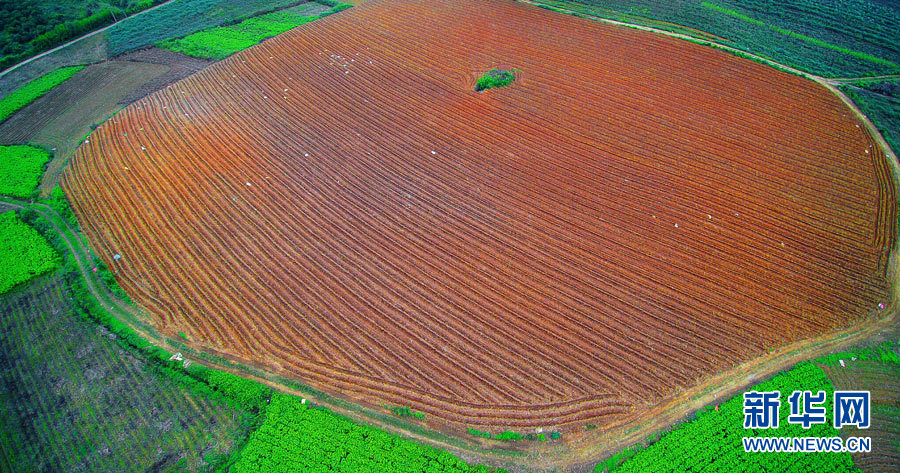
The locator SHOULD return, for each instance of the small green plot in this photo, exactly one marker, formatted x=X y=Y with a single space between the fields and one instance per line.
x=21 y=168
x=24 y=253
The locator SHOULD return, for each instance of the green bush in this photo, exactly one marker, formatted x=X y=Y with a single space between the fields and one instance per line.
x=494 y=78
x=508 y=435
x=244 y=393
x=21 y=168
x=479 y=433
x=403 y=411
x=33 y=90
x=24 y=253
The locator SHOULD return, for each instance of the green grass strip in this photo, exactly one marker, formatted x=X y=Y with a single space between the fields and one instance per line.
x=35 y=89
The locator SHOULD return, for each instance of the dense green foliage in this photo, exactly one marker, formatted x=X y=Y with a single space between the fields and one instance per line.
x=494 y=78
x=712 y=441
x=221 y=42
x=297 y=437
x=24 y=253
x=33 y=26
x=832 y=38
x=33 y=90
x=183 y=17
x=881 y=108
x=21 y=168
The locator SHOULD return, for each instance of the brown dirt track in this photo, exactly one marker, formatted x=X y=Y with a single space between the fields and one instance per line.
x=630 y=217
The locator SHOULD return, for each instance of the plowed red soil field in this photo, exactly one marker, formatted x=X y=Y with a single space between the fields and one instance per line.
x=634 y=214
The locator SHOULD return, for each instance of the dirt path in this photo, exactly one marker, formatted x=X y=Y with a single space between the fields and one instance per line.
x=62 y=46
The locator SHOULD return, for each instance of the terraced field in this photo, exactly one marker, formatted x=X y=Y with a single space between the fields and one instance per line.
x=632 y=215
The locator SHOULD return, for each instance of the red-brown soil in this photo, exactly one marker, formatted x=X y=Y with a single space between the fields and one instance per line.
x=631 y=216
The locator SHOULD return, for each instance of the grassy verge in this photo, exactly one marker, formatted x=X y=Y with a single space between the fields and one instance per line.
x=35 y=89
x=21 y=168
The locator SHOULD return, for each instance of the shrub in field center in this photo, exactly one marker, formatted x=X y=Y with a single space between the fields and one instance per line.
x=495 y=78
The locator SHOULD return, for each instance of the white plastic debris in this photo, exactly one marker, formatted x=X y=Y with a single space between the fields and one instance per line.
x=248 y=184
x=842 y=363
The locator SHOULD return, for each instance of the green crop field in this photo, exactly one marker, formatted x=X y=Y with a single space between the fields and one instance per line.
x=712 y=441
x=21 y=168
x=183 y=17
x=24 y=253
x=33 y=90
x=842 y=38
x=221 y=42
x=296 y=437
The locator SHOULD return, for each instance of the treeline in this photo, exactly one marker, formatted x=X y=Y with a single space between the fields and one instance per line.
x=27 y=31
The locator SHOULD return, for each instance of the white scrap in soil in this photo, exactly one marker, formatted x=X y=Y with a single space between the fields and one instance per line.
x=842 y=363
x=248 y=184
